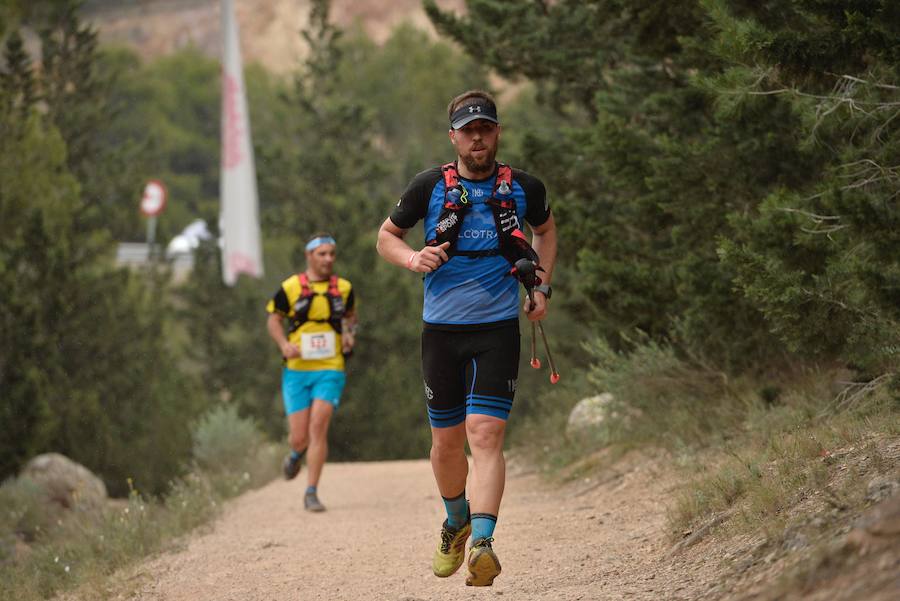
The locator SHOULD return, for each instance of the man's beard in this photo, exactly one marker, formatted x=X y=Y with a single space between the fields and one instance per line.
x=323 y=272
x=485 y=165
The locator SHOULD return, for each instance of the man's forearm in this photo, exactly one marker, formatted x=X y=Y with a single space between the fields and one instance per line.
x=392 y=247
x=276 y=331
x=545 y=246
x=349 y=323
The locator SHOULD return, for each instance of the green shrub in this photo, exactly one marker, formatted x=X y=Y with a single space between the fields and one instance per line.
x=81 y=548
x=24 y=509
x=231 y=452
x=661 y=398
x=224 y=441
x=537 y=430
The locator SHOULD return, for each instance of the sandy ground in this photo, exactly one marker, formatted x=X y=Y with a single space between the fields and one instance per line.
x=582 y=541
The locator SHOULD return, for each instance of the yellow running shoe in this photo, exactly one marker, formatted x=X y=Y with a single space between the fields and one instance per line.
x=483 y=563
x=451 y=551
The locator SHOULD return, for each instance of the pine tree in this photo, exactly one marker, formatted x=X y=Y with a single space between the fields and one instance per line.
x=821 y=258
x=17 y=81
x=684 y=149
x=85 y=369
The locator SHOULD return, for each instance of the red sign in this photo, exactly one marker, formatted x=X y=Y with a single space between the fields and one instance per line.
x=154 y=199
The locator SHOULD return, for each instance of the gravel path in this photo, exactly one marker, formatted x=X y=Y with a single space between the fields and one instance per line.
x=583 y=541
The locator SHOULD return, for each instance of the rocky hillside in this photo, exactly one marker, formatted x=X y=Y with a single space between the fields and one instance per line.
x=269 y=28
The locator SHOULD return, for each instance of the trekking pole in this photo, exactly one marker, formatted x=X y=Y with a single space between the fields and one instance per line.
x=535 y=362
x=525 y=271
x=554 y=375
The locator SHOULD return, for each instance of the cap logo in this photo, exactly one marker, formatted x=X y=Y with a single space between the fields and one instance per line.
x=474 y=109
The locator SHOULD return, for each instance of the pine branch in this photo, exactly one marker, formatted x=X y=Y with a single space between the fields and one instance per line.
x=851 y=396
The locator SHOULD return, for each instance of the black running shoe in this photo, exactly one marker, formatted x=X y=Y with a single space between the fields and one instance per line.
x=291 y=466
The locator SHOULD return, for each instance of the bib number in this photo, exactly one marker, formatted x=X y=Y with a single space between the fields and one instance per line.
x=321 y=345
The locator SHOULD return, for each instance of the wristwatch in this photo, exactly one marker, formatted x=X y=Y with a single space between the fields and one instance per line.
x=545 y=289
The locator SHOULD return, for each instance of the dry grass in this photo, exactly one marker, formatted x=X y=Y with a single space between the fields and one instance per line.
x=785 y=457
x=81 y=548
x=782 y=462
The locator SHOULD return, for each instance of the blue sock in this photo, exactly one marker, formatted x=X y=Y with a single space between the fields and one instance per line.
x=457 y=510
x=483 y=525
x=295 y=455
x=310 y=489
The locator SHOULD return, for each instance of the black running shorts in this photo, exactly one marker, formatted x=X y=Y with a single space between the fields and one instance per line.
x=470 y=370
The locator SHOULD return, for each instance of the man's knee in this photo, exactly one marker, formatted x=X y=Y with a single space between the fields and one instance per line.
x=486 y=435
x=318 y=430
x=447 y=442
x=318 y=423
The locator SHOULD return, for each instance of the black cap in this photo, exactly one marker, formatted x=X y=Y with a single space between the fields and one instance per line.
x=479 y=109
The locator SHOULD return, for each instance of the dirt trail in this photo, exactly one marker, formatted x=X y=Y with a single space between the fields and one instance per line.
x=583 y=541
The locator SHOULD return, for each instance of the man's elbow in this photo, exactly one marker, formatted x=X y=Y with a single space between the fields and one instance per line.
x=382 y=239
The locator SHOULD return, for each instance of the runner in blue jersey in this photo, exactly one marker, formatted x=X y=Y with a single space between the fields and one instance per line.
x=470 y=337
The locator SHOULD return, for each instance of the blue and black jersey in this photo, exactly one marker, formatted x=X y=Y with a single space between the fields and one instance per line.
x=470 y=290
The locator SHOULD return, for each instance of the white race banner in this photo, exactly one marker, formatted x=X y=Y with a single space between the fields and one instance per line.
x=239 y=220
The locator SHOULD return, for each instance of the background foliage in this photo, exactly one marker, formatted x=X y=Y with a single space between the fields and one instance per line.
x=722 y=173
x=726 y=179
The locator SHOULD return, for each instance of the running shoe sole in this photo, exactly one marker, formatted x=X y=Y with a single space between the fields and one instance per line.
x=483 y=567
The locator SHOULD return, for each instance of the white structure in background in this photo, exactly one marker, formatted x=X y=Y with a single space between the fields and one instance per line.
x=136 y=256
x=133 y=254
x=241 y=246
x=180 y=251
x=189 y=239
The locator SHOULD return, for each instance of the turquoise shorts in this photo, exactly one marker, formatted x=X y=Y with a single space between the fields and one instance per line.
x=299 y=388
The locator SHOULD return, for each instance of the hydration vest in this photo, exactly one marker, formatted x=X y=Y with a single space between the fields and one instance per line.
x=512 y=242
x=302 y=305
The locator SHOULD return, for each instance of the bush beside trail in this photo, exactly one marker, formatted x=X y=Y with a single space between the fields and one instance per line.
x=48 y=546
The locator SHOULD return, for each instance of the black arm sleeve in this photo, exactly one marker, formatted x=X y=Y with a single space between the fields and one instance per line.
x=537 y=210
x=351 y=301
x=280 y=302
x=413 y=204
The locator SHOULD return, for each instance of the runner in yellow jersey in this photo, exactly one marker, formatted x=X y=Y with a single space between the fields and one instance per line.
x=320 y=311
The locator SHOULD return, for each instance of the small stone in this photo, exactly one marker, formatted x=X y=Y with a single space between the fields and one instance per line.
x=881 y=488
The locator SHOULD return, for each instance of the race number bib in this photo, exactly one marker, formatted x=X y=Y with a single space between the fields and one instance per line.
x=320 y=345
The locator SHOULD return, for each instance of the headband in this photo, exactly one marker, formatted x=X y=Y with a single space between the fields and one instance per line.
x=317 y=242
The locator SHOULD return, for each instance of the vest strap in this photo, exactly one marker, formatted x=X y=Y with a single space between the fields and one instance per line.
x=490 y=252
x=335 y=304
x=512 y=243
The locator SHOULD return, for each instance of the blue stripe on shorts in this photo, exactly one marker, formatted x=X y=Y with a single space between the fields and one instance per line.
x=446 y=418
x=488 y=405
